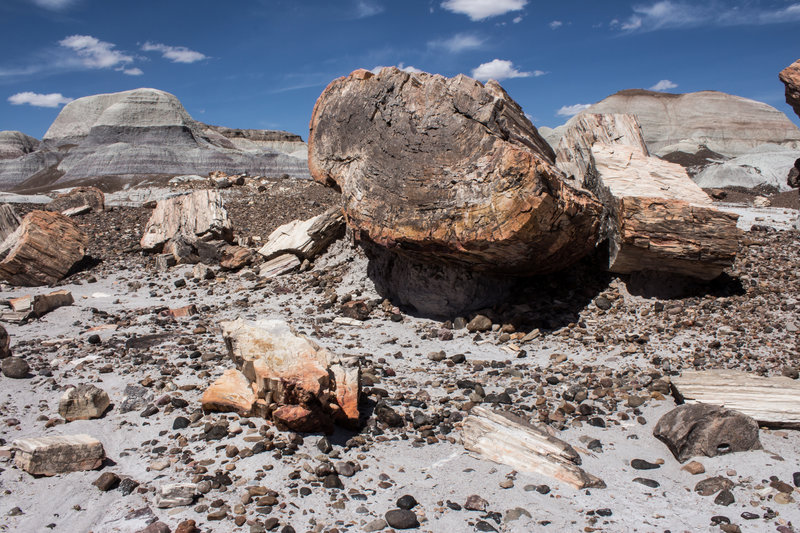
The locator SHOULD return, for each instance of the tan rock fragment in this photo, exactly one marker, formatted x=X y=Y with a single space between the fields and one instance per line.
x=48 y=456
x=232 y=392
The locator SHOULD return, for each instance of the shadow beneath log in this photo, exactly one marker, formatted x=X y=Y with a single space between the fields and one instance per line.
x=666 y=286
x=443 y=292
x=87 y=263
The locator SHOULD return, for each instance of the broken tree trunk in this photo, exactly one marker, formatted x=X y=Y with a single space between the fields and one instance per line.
x=773 y=401
x=658 y=218
x=511 y=440
x=42 y=250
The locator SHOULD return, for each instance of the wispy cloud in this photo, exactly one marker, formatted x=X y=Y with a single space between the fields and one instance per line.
x=669 y=14
x=95 y=53
x=458 y=43
x=135 y=71
x=663 y=85
x=55 y=5
x=367 y=8
x=176 y=54
x=572 y=110
x=555 y=24
x=483 y=9
x=501 y=69
x=39 y=100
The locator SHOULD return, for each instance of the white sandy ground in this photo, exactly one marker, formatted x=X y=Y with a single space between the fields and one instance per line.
x=432 y=473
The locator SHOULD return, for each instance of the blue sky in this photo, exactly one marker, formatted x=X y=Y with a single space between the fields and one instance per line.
x=262 y=63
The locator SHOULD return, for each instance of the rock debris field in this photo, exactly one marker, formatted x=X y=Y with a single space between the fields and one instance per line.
x=590 y=355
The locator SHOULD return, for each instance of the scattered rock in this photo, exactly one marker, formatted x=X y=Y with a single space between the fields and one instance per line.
x=15 y=367
x=176 y=494
x=83 y=402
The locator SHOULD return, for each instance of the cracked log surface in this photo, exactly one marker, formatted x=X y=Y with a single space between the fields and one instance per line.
x=448 y=169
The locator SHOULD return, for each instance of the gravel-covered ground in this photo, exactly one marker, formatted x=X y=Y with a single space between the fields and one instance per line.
x=587 y=353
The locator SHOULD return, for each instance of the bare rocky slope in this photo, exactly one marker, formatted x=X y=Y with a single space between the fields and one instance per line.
x=122 y=137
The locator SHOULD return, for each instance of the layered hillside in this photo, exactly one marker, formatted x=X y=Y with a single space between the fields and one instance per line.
x=753 y=143
x=137 y=134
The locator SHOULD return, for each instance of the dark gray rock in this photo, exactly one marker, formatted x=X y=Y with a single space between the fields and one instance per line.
x=402 y=519
x=709 y=430
x=15 y=367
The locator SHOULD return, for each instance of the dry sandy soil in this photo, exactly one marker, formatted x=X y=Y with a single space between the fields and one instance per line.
x=613 y=341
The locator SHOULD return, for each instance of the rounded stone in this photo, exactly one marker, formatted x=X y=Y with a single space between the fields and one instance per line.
x=402 y=519
x=15 y=367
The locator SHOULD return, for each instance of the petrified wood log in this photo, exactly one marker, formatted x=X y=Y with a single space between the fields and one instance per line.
x=448 y=169
x=42 y=249
x=773 y=401
x=199 y=215
x=657 y=218
x=48 y=456
x=510 y=440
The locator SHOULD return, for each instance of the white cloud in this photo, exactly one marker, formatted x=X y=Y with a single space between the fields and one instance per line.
x=176 y=54
x=95 y=53
x=367 y=8
x=517 y=19
x=405 y=68
x=136 y=71
x=458 y=43
x=55 y=5
x=483 y=9
x=571 y=110
x=501 y=69
x=39 y=100
x=555 y=24
x=663 y=85
x=668 y=14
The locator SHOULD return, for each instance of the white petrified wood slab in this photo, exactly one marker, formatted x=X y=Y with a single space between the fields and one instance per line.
x=511 y=440
x=770 y=401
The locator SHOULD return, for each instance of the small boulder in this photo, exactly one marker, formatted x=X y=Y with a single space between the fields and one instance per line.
x=15 y=367
x=709 y=430
x=83 y=402
x=78 y=198
x=200 y=215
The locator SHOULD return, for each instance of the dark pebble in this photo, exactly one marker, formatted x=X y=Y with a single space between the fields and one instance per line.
x=401 y=519
x=407 y=502
x=15 y=368
x=749 y=516
x=332 y=481
x=725 y=497
x=603 y=512
x=641 y=464
x=653 y=484
x=107 y=481
x=180 y=423
x=483 y=525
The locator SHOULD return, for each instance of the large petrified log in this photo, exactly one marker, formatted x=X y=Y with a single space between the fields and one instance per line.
x=773 y=401
x=657 y=218
x=448 y=169
x=42 y=250
x=306 y=386
x=511 y=440
x=191 y=217
x=790 y=76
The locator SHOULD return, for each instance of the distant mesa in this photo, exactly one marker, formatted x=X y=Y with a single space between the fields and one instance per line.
x=118 y=138
x=723 y=140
